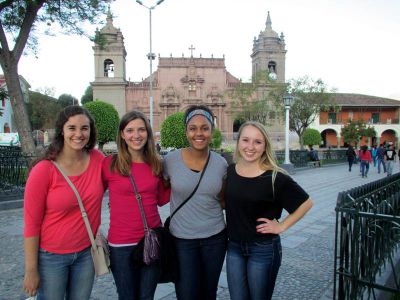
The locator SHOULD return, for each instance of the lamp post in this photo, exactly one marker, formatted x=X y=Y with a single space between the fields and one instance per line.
x=288 y=166
x=151 y=56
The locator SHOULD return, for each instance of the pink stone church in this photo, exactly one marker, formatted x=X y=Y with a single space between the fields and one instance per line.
x=181 y=81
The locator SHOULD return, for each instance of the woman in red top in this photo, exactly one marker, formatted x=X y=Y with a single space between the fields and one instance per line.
x=58 y=260
x=136 y=155
x=365 y=158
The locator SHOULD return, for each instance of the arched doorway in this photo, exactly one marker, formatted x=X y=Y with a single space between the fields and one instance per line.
x=329 y=138
x=6 y=128
x=388 y=135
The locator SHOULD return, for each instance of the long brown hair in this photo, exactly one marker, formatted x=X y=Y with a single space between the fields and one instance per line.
x=121 y=162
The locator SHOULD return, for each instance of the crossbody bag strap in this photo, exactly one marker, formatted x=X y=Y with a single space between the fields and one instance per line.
x=139 y=200
x=82 y=208
x=195 y=189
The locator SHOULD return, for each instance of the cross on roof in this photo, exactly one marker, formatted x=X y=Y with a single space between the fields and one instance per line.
x=191 y=48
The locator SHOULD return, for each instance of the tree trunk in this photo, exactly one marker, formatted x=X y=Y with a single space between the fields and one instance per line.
x=19 y=109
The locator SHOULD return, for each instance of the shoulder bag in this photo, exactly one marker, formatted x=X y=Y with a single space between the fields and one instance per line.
x=99 y=250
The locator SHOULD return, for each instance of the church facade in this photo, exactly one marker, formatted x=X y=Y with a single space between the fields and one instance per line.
x=179 y=82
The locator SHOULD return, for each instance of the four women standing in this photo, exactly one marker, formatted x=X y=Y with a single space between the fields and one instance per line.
x=256 y=192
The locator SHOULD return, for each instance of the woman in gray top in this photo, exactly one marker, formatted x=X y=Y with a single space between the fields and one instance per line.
x=199 y=226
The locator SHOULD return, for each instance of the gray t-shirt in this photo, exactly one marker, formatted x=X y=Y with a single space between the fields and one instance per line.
x=202 y=215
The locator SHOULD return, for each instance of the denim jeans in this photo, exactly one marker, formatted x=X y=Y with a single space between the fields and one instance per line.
x=364 y=167
x=200 y=263
x=133 y=282
x=252 y=268
x=389 y=167
x=65 y=275
x=381 y=161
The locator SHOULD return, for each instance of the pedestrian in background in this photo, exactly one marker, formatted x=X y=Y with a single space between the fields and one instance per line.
x=380 y=157
x=365 y=160
x=390 y=157
x=257 y=191
x=351 y=156
x=137 y=156
x=198 y=226
x=373 y=154
x=58 y=261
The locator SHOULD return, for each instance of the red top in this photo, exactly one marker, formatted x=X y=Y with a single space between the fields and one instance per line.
x=365 y=155
x=51 y=210
x=126 y=225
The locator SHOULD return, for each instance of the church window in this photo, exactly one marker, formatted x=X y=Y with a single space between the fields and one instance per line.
x=192 y=86
x=272 y=66
x=108 y=68
x=6 y=128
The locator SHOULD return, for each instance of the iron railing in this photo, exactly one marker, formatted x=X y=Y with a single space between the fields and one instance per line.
x=367 y=240
x=13 y=173
x=300 y=158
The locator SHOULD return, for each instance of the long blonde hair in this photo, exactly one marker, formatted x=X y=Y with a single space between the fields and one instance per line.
x=121 y=162
x=267 y=159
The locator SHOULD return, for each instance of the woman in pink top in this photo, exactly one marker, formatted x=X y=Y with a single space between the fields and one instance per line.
x=136 y=155
x=365 y=159
x=58 y=262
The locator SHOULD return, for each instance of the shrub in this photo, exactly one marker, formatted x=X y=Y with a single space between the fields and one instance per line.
x=106 y=119
x=216 y=139
x=172 y=132
x=311 y=137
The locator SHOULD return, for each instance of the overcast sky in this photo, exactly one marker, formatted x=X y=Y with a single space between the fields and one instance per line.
x=353 y=46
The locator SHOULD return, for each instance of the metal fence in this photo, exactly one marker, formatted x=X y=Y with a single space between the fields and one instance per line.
x=13 y=173
x=367 y=240
x=300 y=158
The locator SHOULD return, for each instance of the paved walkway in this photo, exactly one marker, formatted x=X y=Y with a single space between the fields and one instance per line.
x=308 y=247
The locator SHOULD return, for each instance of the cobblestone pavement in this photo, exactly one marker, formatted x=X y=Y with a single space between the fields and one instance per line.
x=308 y=247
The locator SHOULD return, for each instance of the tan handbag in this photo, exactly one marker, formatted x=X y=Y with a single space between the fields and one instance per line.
x=100 y=252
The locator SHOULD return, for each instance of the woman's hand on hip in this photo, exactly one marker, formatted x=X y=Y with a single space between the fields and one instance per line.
x=269 y=226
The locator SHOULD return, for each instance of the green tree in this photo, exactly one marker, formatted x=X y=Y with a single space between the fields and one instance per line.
x=107 y=121
x=66 y=99
x=19 y=22
x=172 y=132
x=88 y=95
x=353 y=131
x=42 y=110
x=252 y=100
x=216 y=139
x=311 y=137
x=310 y=98
x=3 y=97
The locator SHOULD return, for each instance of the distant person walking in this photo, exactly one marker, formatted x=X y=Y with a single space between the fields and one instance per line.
x=365 y=159
x=373 y=154
x=257 y=191
x=380 y=157
x=390 y=157
x=351 y=156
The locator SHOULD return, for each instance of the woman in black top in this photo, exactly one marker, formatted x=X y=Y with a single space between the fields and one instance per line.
x=257 y=191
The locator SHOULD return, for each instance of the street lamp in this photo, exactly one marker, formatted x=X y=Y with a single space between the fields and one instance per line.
x=288 y=166
x=151 y=56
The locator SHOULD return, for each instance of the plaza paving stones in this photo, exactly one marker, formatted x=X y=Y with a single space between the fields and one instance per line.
x=308 y=247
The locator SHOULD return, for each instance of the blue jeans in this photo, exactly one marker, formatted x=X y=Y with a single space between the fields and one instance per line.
x=133 y=282
x=381 y=161
x=364 y=167
x=199 y=265
x=252 y=268
x=65 y=275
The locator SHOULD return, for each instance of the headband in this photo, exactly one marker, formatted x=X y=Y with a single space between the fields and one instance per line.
x=200 y=112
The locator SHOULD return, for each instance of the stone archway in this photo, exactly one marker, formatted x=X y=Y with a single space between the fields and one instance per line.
x=388 y=135
x=329 y=138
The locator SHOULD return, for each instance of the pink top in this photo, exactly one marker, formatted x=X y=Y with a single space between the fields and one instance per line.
x=51 y=210
x=126 y=225
x=365 y=155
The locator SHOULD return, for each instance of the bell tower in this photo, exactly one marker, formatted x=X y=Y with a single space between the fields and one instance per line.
x=269 y=53
x=109 y=64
